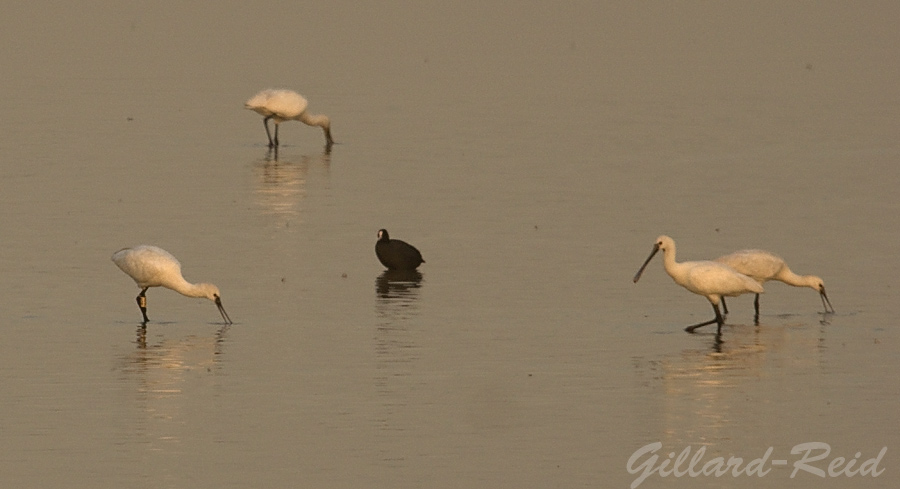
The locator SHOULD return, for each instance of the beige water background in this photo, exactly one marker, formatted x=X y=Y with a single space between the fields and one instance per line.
x=532 y=152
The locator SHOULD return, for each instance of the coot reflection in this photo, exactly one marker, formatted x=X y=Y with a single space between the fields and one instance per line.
x=398 y=284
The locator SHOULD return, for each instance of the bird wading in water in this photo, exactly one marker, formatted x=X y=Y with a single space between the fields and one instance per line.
x=395 y=254
x=707 y=278
x=764 y=266
x=286 y=105
x=151 y=266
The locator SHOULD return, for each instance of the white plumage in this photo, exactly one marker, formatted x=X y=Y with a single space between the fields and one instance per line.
x=707 y=278
x=762 y=266
x=151 y=266
x=286 y=105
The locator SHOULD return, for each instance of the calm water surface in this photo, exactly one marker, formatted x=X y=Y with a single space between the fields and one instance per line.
x=532 y=154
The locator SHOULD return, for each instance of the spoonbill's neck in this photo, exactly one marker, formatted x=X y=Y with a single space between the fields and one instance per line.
x=321 y=121
x=188 y=289
x=672 y=267
x=791 y=278
x=678 y=271
x=315 y=120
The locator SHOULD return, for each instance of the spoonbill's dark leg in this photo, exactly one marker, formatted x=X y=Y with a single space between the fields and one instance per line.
x=268 y=135
x=724 y=306
x=718 y=320
x=756 y=305
x=142 y=303
x=276 y=134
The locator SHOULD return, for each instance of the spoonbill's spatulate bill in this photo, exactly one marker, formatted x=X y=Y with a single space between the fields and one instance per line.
x=151 y=266
x=395 y=254
x=707 y=278
x=286 y=105
x=763 y=266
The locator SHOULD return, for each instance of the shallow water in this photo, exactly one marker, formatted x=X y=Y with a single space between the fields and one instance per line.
x=532 y=155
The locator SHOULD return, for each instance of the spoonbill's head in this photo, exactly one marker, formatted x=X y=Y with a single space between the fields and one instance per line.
x=208 y=291
x=818 y=284
x=211 y=292
x=664 y=243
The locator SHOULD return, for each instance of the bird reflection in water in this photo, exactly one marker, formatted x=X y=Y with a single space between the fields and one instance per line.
x=397 y=350
x=163 y=377
x=280 y=184
x=217 y=340
x=398 y=288
x=701 y=395
x=397 y=294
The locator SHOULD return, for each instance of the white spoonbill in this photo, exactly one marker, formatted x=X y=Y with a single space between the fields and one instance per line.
x=150 y=266
x=286 y=105
x=763 y=266
x=707 y=278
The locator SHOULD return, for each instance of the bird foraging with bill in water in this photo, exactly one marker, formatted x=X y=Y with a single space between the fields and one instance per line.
x=151 y=266
x=282 y=105
x=763 y=266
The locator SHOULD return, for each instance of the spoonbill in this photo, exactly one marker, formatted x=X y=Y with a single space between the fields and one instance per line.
x=396 y=254
x=763 y=266
x=707 y=278
x=286 y=105
x=151 y=266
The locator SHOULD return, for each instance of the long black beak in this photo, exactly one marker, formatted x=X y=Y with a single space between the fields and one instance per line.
x=825 y=302
x=222 y=311
x=637 y=276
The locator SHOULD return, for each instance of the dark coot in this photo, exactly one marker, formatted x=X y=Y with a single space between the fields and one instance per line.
x=396 y=254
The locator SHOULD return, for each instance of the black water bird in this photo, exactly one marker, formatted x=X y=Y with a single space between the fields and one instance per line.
x=396 y=254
